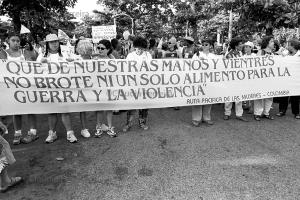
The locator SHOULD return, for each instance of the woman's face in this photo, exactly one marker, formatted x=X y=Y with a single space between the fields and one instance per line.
x=102 y=50
x=247 y=49
x=291 y=49
x=171 y=47
x=14 y=42
x=139 y=50
x=239 y=46
x=54 y=46
x=206 y=46
x=271 y=44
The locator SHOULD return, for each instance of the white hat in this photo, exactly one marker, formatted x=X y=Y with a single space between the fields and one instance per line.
x=250 y=44
x=51 y=37
x=189 y=39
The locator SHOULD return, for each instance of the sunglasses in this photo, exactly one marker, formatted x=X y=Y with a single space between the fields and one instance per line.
x=101 y=48
x=206 y=45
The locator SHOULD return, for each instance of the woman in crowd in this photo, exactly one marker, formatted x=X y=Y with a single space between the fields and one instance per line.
x=15 y=53
x=202 y=112
x=6 y=159
x=105 y=50
x=29 y=51
x=116 y=48
x=153 y=48
x=247 y=51
x=84 y=48
x=262 y=107
x=235 y=46
x=53 y=54
x=189 y=48
x=172 y=50
x=140 y=53
x=294 y=50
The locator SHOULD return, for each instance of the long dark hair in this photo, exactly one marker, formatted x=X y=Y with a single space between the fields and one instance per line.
x=107 y=45
x=48 y=48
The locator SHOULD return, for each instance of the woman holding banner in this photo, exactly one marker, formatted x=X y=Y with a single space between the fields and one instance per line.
x=262 y=107
x=84 y=48
x=15 y=53
x=235 y=46
x=140 y=53
x=202 y=112
x=105 y=50
x=293 y=47
x=53 y=54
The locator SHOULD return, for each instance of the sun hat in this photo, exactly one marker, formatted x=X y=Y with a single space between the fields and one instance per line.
x=250 y=44
x=51 y=37
x=188 y=38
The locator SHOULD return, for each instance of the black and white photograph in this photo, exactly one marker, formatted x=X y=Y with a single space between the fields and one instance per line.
x=149 y=99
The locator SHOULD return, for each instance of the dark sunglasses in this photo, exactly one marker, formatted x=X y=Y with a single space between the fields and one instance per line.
x=206 y=45
x=101 y=48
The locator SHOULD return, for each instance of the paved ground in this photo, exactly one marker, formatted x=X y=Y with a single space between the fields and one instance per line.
x=231 y=160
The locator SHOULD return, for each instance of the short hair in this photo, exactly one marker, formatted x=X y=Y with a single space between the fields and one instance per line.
x=265 y=41
x=276 y=45
x=114 y=43
x=152 y=43
x=208 y=40
x=84 y=47
x=12 y=34
x=294 y=43
x=140 y=42
x=235 y=42
x=107 y=45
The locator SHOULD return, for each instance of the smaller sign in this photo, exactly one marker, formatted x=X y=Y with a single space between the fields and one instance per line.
x=103 y=32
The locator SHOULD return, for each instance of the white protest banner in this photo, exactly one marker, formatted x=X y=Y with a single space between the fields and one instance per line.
x=103 y=32
x=32 y=87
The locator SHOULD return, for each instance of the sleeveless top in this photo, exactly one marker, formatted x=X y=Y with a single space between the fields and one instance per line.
x=19 y=58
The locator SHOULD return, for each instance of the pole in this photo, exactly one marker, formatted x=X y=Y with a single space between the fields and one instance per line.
x=187 y=27
x=230 y=26
x=132 y=22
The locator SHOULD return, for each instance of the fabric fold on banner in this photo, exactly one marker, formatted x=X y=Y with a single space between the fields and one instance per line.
x=59 y=87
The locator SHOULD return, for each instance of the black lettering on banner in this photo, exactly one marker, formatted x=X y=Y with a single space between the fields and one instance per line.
x=22 y=82
x=97 y=94
x=79 y=65
x=53 y=68
x=64 y=68
x=13 y=67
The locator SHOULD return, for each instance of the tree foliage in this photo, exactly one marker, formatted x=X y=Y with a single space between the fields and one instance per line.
x=40 y=16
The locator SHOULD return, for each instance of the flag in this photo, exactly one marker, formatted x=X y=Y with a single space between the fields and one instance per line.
x=24 y=30
x=62 y=35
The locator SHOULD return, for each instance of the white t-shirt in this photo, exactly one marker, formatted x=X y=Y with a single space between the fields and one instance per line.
x=51 y=57
x=144 y=56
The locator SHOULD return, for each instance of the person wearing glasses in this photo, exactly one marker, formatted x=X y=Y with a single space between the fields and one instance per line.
x=140 y=53
x=201 y=113
x=105 y=49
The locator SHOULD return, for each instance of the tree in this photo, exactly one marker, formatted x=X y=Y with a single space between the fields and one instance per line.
x=260 y=15
x=39 y=16
x=140 y=11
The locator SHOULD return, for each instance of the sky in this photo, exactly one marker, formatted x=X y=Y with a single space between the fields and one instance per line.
x=85 y=6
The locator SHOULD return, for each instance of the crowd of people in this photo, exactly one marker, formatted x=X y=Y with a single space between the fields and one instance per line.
x=136 y=48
